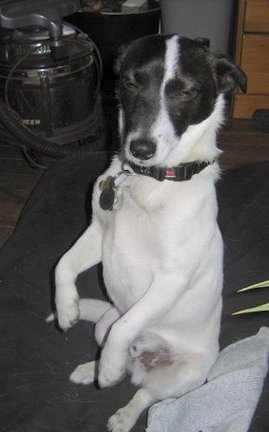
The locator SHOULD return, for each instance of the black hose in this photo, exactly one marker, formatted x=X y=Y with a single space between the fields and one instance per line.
x=12 y=122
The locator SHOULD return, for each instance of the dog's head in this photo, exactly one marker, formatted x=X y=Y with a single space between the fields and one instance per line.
x=170 y=91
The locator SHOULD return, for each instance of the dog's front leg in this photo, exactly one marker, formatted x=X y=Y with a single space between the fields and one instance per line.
x=85 y=253
x=155 y=303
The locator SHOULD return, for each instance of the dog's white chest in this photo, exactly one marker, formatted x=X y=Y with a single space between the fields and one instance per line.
x=156 y=226
x=127 y=257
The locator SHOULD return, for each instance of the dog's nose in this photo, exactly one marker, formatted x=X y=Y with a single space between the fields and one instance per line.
x=142 y=149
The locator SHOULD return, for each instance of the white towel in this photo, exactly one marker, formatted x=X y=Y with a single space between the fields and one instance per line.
x=227 y=402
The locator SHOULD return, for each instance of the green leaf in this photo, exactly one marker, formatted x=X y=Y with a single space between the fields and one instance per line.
x=264 y=284
x=261 y=308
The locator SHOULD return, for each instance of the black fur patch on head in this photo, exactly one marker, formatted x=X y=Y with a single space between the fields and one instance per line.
x=141 y=75
x=229 y=76
x=191 y=96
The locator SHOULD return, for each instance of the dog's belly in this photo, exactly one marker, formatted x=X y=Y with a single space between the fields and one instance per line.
x=127 y=263
x=191 y=321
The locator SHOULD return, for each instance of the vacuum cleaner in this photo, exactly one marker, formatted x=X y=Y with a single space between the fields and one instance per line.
x=50 y=74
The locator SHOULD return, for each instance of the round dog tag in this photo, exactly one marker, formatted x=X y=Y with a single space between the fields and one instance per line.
x=107 y=198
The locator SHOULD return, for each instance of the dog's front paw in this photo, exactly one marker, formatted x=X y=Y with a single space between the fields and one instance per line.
x=67 y=311
x=112 y=367
x=122 y=421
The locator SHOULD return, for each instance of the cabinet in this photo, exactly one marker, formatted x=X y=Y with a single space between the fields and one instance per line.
x=252 y=55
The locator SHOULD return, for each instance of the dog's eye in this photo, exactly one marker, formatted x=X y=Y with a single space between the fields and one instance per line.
x=129 y=83
x=190 y=94
x=187 y=94
x=176 y=89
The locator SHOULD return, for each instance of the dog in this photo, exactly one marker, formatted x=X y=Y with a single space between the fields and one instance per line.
x=154 y=228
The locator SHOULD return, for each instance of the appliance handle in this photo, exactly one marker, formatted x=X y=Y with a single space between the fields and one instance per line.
x=54 y=25
x=43 y=13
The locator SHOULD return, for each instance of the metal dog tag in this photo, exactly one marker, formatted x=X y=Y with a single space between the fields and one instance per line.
x=107 y=197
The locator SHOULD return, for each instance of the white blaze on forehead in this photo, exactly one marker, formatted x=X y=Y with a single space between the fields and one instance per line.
x=162 y=130
x=171 y=59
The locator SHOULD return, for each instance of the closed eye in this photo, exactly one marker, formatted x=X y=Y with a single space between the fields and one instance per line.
x=129 y=83
x=183 y=94
x=135 y=80
x=188 y=94
x=176 y=89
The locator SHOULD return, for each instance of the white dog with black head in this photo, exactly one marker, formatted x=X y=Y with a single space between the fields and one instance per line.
x=154 y=227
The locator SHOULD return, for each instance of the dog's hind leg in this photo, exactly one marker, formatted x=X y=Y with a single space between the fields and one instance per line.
x=160 y=380
x=125 y=418
x=86 y=373
x=89 y=310
x=103 y=326
x=162 y=376
x=92 y=310
x=184 y=373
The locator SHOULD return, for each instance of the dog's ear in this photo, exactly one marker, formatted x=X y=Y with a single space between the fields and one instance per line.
x=229 y=76
x=121 y=54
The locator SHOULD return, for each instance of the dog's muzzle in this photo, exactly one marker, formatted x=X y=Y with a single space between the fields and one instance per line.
x=142 y=149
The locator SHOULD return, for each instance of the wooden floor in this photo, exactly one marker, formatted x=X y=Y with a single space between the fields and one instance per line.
x=241 y=140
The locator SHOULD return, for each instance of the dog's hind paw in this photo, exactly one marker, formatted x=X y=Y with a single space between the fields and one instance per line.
x=84 y=373
x=121 y=421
